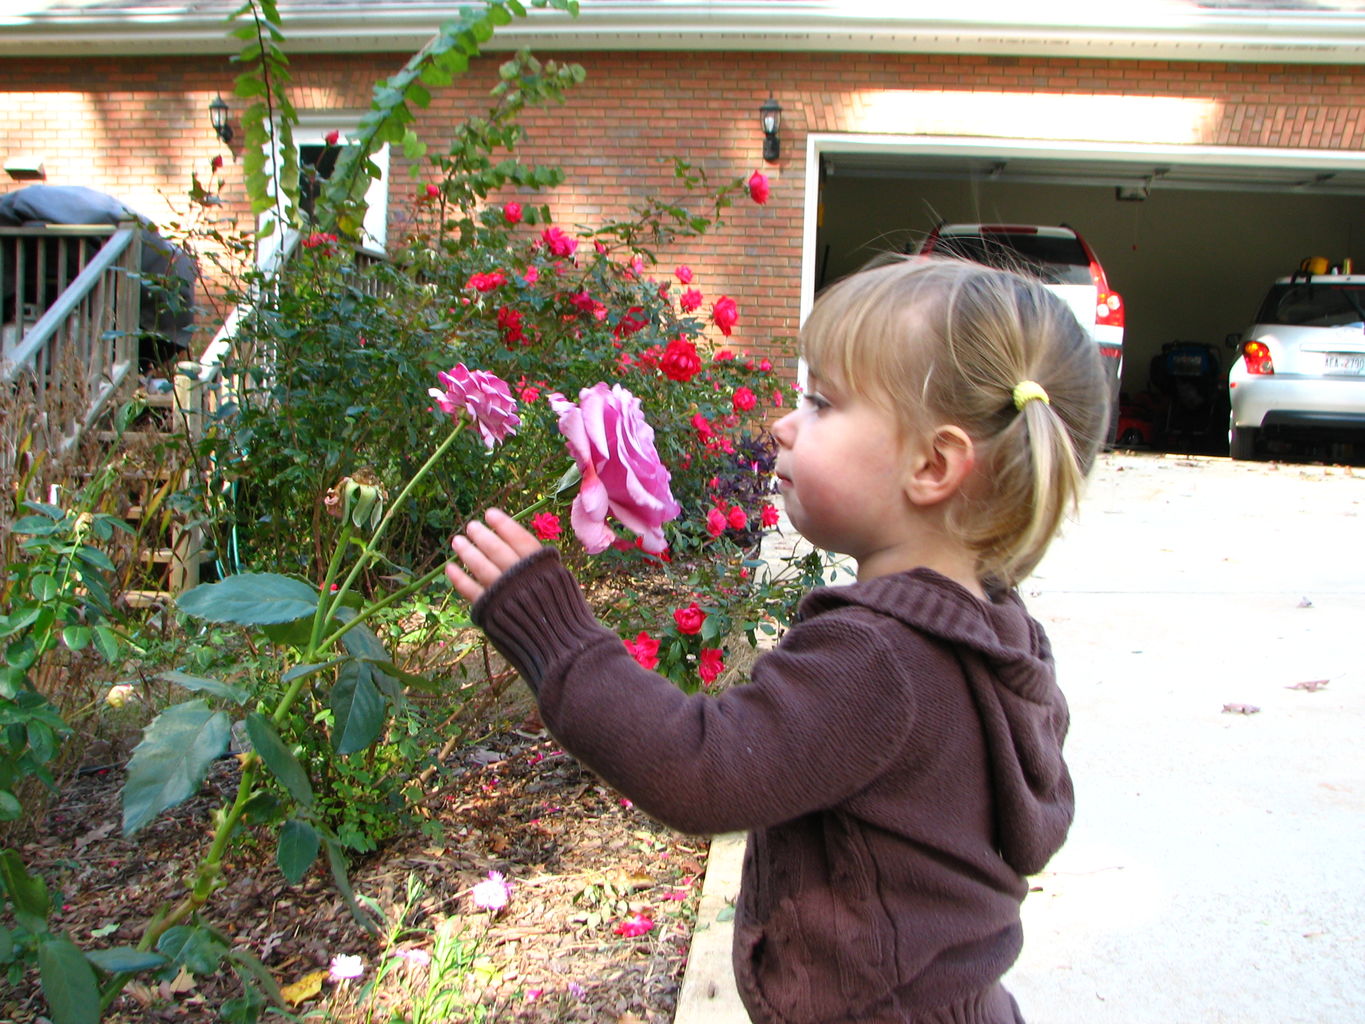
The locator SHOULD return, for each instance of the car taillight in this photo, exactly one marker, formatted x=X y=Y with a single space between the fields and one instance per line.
x=1256 y=355
x=1109 y=309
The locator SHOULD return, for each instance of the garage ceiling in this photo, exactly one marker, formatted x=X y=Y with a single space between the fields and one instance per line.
x=1135 y=178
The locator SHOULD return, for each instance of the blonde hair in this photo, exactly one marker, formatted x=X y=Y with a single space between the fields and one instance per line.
x=934 y=341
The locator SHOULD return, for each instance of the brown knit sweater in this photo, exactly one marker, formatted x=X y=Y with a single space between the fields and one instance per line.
x=896 y=761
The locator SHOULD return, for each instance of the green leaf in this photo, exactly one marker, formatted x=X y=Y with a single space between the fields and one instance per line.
x=298 y=848
x=44 y=588
x=69 y=985
x=251 y=599
x=77 y=638
x=357 y=708
x=171 y=761
x=301 y=671
x=194 y=946
x=279 y=758
x=124 y=960
x=27 y=893
x=106 y=642
x=337 y=861
x=10 y=807
x=203 y=685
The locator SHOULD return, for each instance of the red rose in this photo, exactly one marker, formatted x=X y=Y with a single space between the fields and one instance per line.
x=744 y=399
x=433 y=191
x=680 y=361
x=545 y=525
x=634 y=319
x=217 y=162
x=768 y=515
x=712 y=664
x=332 y=137
x=737 y=519
x=702 y=426
x=689 y=620
x=758 y=188
x=724 y=314
x=509 y=322
x=487 y=282
x=690 y=300
x=715 y=522
x=644 y=649
x=511 y=212
x=558 y=242
x=684 y=274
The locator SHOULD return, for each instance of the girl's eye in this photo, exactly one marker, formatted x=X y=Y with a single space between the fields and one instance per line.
x=815 y=400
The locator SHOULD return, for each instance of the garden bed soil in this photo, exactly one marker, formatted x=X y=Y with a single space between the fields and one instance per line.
x=580 y=860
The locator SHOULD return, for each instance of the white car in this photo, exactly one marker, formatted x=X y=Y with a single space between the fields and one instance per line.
x=1061 y=258
x=1300 y=367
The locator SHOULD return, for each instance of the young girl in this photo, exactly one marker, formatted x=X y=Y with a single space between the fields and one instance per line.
x=897 y=759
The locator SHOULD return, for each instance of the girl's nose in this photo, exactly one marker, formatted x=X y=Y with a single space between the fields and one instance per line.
x=784 y=430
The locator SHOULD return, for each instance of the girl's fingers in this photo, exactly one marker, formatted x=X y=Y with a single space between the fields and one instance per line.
x=487 y=553
x=521 y=540
x=465 y=585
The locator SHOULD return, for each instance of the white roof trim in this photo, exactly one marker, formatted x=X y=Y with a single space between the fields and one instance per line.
x=1133 y=29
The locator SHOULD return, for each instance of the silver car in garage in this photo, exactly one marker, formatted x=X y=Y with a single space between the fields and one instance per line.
x=1300 y=368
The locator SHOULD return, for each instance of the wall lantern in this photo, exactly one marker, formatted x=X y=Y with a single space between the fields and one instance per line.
x=218 y=115
x=770 y=117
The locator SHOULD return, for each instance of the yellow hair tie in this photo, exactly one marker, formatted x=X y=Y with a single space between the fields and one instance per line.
x=1026 y=391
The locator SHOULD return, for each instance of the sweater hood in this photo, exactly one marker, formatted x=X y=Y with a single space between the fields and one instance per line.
x=1007 y=663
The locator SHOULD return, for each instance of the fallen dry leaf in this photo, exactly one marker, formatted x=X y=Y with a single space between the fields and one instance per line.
x=1240 y=709
x=305 y=988
x=1311 y=685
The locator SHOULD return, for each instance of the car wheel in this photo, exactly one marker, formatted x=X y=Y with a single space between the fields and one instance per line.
x=1242 y=442
x=1131 y=438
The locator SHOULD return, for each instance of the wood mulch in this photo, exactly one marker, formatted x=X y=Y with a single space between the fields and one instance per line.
x=583 y=866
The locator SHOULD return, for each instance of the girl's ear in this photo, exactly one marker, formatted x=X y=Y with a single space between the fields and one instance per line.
x=941 y=466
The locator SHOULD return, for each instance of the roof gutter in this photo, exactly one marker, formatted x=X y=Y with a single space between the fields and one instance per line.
x=1140 y=29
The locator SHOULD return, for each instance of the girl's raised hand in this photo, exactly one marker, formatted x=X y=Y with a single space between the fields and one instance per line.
x=488 y=551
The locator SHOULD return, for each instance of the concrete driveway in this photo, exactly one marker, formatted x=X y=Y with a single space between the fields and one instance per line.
x=1216 y=869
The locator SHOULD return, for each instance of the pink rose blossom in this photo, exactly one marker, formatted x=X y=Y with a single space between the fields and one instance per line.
x=690 y=300
x=724 y=314
x=634 y=926
x=712 y=664
x=484 y=396
x=737 y=519
x=684 y=274
x=432 y=191
x=768 y=515
x=743 y=399
x=531 y=276
x=545 y=525
x=644 y=649
x=613 y=446
x=511 y=212
x=758 y=188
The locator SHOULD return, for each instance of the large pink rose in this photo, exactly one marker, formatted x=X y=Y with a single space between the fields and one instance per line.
x=614 y=448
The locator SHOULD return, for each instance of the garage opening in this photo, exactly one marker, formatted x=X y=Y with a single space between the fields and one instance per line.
x=1191 y=237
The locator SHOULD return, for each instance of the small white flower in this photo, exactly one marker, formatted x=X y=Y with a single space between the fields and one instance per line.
x=492 y=894
x=345 y=967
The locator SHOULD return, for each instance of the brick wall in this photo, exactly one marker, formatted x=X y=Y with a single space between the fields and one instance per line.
x=138 y=128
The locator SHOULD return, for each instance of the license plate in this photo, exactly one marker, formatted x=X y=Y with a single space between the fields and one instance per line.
x=1344 y=362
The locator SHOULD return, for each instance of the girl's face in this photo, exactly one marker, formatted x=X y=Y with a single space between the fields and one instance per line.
x=841 y=468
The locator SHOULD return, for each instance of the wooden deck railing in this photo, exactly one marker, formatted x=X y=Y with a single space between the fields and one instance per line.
x=70 y=336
